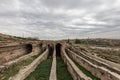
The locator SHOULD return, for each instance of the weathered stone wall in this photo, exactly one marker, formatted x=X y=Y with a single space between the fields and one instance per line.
x=11 y=52
x=72 y=68
x=23 y=73
x=101 y=72
x=36 y=50
x=114 y=67
x=53 y=68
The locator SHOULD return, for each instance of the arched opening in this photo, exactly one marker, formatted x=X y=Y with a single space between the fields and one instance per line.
x=51 y=49
x=40 y=45
x=58 y=50
x=28 y=48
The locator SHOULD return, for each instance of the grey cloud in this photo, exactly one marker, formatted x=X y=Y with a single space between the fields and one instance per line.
x=71 y=3
x=57 y=19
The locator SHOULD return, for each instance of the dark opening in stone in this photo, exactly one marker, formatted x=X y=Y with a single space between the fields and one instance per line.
x=51 y=49
x=58 y=50
x=28 y=48
x=40 y=45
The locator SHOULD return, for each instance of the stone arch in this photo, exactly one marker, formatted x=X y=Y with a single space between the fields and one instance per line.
x=58 y=49
x=28 y=48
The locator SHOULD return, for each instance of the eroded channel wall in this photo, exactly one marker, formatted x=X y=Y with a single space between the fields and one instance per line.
x=101 y=72
x=72 y=68
x=8 y=53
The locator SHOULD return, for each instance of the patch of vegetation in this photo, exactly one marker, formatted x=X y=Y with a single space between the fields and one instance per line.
x=62 y=72
x=1 y=39
x=86 y=72
x=7 y=73
x=99 y=42
x=119 y=55
x=111 y=55
x=42 y=72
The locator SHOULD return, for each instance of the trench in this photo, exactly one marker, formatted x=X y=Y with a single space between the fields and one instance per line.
x=42 y=71
x=85 y=71
x=62 y=71
x=14 y=69
x=12 y=52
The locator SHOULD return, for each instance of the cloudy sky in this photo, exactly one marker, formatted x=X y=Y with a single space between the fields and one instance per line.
x=58 y=19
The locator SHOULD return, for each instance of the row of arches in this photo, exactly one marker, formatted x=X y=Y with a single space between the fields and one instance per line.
x=57 y=48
